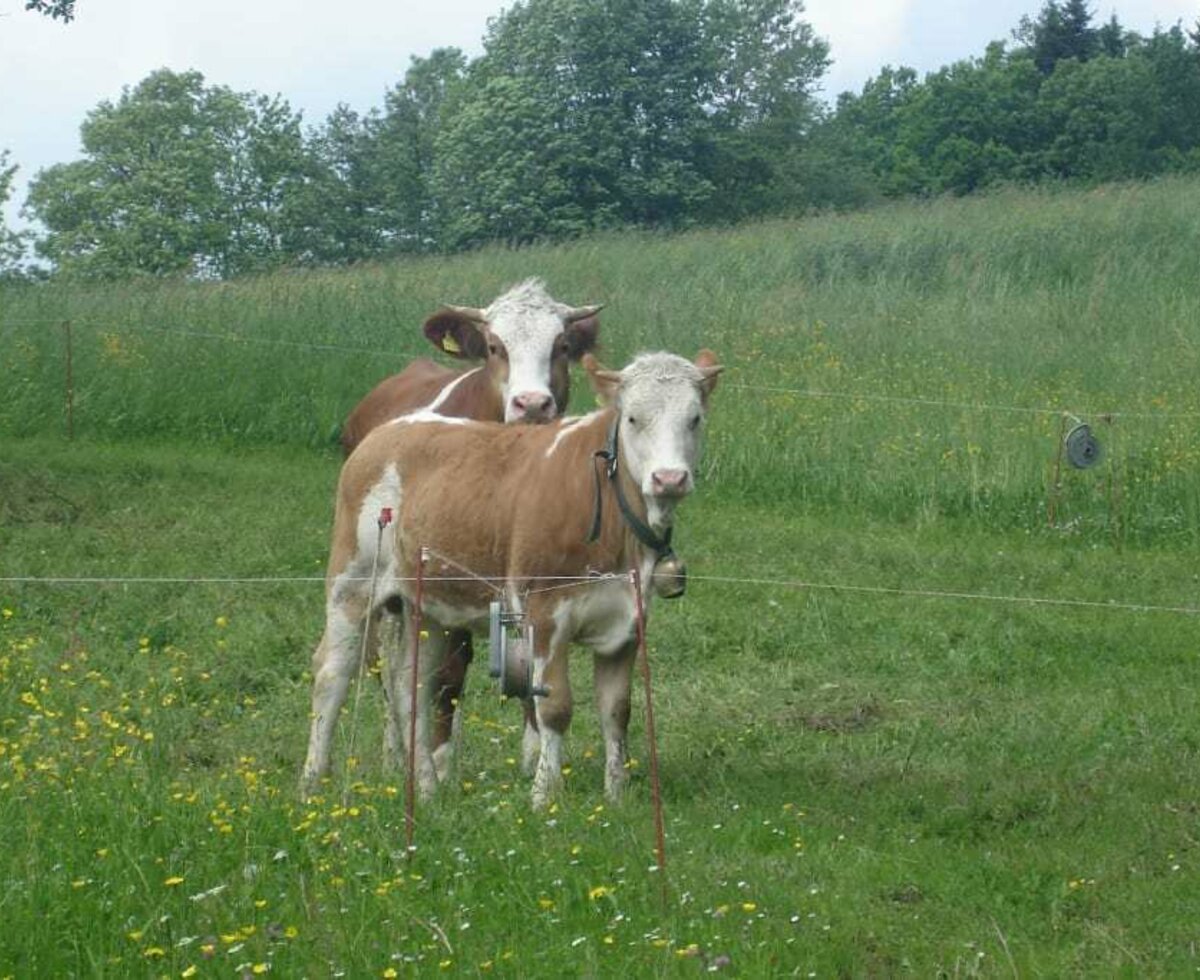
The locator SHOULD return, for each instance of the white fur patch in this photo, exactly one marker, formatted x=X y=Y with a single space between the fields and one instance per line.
x=566 y=427
x=447 y=391
x=600 y=616
x=529 y=322
x=425 y=415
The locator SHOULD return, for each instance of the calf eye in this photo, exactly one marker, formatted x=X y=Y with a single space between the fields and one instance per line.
x=632 y=420
x=694 y=422
x=493 y=349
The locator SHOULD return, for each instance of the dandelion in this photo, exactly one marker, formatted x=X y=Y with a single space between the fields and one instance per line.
x=600 y=891
x=390 y=973
x=260 y=968
x=221 y=622
x=154 y=952
x=546 y=904
x=749 y=906
x=173 y=881
x=191 y=971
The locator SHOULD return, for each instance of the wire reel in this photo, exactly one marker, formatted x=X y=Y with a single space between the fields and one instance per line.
x=510 y=642
x=1083 y=448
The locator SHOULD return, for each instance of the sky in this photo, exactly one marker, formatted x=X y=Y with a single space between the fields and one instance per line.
x=317 y=53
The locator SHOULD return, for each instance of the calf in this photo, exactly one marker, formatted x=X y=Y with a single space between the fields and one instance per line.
x=517 y=506
x=525 y=341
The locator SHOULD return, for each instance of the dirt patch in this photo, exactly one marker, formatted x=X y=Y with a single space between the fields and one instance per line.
x=844 y=721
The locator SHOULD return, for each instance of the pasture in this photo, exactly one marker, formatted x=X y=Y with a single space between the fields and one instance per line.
x=863 y=774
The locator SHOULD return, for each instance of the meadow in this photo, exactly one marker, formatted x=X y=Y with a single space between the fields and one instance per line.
x=880 y=756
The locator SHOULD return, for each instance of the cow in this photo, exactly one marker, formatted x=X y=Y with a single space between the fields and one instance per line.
x=520 y=511
x=525 y=340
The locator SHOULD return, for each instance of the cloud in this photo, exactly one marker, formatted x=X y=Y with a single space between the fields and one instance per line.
x=861 y=36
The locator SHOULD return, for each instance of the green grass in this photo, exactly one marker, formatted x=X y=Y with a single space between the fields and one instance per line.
x=862 y=784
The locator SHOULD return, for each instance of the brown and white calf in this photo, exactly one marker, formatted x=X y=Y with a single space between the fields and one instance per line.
x=514 y=504
x=525 y=341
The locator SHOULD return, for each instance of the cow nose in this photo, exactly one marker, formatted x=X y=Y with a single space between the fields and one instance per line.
x=533 y=406
x=669 y=483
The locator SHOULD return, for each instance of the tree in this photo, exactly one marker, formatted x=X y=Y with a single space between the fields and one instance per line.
x=1112 y=39
x=12 y=243
x=1061 y=31
x=1100 y=118
x=766 y=63
x=331 y=214
x=367 y=192
x=177 y=178
x=63 y=10
x=586 y=114
x=404 y=138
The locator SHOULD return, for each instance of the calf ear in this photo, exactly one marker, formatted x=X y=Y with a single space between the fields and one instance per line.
x=706 y=361
x=581 y=336
x=604 y=383
x=457 y=333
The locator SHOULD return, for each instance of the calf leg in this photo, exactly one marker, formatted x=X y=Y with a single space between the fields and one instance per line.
x=614 y=676
x=531 y=740
x=334 y=664
x=449 y=684
x=391 y=637
x=397 y=655
x=553 y=719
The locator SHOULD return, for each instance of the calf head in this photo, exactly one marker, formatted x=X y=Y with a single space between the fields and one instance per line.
x=526 y=340
x=661 y=401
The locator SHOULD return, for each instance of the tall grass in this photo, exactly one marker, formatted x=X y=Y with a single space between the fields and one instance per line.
x=1079 y=301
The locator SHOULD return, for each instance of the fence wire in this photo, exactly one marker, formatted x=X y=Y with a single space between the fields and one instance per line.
x=569 y=581
x=815 y=393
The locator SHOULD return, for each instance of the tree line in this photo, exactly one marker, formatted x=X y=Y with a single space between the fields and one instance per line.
x=584 y=115
x=1067 y=100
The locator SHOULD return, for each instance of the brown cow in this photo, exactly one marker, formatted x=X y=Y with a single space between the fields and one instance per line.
x=525 y=340
x=513 y=504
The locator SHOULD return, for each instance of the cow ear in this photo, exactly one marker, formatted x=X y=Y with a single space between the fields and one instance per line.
x=457 y=333
x=706 y=361
x=604 y=383
x=581 y=336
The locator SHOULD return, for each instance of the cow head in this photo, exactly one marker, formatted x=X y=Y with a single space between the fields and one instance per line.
x=662 y=400
x=527 y=341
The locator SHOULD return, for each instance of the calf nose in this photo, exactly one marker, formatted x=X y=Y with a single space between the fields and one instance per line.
x=533 y=406
x=669 y=483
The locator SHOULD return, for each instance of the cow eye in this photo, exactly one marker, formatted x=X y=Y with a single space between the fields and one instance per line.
x=632 y=420
x=694 y=422
x=493 y=349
